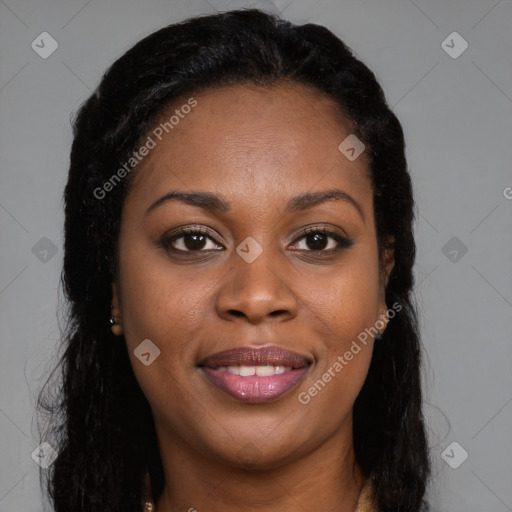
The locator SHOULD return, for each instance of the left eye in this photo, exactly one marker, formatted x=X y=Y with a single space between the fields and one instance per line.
x=318 y=238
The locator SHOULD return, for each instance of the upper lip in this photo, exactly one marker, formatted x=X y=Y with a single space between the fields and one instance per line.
x=250 y=356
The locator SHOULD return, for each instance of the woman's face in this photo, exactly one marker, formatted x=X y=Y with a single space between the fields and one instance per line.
x=252 y=278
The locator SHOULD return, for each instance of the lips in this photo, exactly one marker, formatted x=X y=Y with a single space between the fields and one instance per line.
x=255 y=375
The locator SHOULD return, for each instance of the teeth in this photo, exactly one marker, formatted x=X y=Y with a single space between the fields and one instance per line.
x=235 y=370
x=260 y=371
x=246 y=371
x=265 y=371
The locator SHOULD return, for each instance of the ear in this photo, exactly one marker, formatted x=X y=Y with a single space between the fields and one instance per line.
x=116 y=311
x=387 y=262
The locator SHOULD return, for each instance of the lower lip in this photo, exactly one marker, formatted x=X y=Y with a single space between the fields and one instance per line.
x=255 y=389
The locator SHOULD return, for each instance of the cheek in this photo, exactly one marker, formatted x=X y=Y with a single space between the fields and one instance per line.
x=164 y=304
x=153 y=297
x=344 y=301
x=341 y=321
x=166 y=308
x=342 y=308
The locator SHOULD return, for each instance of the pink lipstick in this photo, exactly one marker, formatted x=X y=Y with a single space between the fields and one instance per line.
x=255 y=375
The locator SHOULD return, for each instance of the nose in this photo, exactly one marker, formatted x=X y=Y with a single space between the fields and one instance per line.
x=257 y=292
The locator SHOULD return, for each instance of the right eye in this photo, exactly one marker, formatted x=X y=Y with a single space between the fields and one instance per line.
x=189 y=240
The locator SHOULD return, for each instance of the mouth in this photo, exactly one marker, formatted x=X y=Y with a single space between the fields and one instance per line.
x=255 y=375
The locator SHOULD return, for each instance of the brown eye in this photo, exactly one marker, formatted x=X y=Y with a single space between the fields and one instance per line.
x=317 y=240
x=190 y=240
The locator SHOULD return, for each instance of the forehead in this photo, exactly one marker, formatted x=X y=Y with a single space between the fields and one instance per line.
x=271 y=141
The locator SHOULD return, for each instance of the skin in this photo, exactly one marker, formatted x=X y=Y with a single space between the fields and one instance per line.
x=256 y=148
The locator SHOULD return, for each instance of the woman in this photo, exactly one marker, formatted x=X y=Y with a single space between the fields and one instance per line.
x=238 y=264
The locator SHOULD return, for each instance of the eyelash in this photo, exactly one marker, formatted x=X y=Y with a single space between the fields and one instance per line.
x=343 y=242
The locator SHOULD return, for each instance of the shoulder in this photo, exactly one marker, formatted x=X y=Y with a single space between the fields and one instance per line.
x=365 y=503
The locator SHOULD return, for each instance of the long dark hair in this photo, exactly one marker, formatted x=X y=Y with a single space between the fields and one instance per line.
x=100 y=421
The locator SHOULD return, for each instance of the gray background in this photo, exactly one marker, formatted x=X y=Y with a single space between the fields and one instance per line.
x=457 y=117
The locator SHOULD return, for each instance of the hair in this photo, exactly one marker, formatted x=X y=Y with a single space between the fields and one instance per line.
x=100 y=421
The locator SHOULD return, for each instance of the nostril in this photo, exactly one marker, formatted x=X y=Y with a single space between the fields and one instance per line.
x=278 y=312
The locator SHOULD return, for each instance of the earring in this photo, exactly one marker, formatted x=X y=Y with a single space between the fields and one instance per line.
x=115 y=326
x=378 y=337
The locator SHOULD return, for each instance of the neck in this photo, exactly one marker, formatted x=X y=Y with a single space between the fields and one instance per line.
x=327 y=478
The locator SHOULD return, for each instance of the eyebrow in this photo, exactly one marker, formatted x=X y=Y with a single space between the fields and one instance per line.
x=299 y=203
